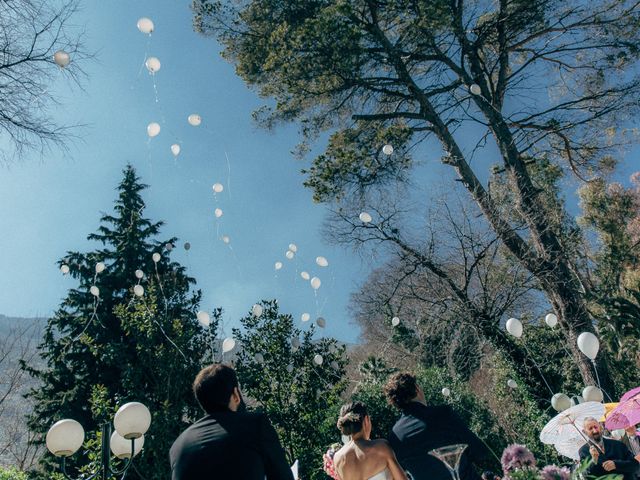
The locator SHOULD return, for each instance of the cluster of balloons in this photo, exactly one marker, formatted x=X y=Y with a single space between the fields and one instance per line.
x=561 y=401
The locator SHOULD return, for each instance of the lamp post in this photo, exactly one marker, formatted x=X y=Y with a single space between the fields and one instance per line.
x=131 y=422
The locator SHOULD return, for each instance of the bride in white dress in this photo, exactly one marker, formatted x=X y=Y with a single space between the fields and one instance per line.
x=362 y=458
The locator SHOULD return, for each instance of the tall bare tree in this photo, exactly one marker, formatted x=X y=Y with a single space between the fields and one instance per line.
x=31 y=32
x=532 y=80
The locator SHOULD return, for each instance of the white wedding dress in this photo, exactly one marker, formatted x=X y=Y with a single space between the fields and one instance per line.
x=384 y=475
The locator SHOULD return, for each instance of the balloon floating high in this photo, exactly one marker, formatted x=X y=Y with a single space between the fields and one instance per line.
x=61 y=58
x=289 y=368
x=187 y=246
x=152 y=64
x=395 y=321
x=226 y=239
x=256 y=310
x=145 y=25
x=305 y=317
x=258 y=357
x=289 y=254
x=475 y=89
x=592 y=394
x=139 y=274
x=175 y=149
x=204 y=318
x=278 y=265
x=514 y=327
x=194 y=120
x=365 y=217
x=511 y=383
x=95 y=291
x=321 y=322
x=100 y=267
x=228 y=344
x=446 y=392
x=318 y=359
x=322 y=262
x=293 y=247
x=560 y=402
x=387 y=149
x=589 y=344
x=551 y=320
x=64 y=269
x=218 y=212
x=295 y=342
x=155 y=257
x=153 y=129
x=168 y=247
x=138 y=290
x=305 y=275
x=217 y=188
x=315 y=283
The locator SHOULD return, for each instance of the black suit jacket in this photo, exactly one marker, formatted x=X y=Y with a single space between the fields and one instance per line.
x=616 y=451
x=229 y=445
x=421 y=429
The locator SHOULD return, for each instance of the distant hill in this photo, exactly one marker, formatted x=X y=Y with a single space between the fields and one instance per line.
x=19 y=338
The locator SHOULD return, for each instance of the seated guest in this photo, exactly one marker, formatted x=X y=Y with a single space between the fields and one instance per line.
x=632 y=442
x=227 y=442
x=609 y=456
x=422 y=428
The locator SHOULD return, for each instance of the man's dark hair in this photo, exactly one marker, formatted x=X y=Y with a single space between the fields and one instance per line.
x=213 y=387
x=400 y=389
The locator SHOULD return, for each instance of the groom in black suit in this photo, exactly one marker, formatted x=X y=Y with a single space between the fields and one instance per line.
x=422 y=428
x=227 y=442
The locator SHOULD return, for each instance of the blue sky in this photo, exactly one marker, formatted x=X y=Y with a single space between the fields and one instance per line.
x=50 y=204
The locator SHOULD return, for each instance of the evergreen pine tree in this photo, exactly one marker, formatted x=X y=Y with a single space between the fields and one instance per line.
x=104 y=350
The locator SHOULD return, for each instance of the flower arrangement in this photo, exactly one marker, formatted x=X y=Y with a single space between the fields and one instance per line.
x=518 y=463
x=327 y=461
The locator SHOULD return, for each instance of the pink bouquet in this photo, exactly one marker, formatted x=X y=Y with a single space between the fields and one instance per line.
x=327 y=461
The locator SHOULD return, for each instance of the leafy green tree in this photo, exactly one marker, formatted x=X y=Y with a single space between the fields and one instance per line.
x=122 y=343
x=295 y=379
x=538 y=80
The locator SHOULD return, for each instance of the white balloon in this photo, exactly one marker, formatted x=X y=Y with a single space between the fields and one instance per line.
x=217 y=187
x=322 y=262
x=139 y=274
x=194 y=119
x=318 y=359
x=514 y=327
x=560 y=402
x=153 y=129
x=387 y=149
x=315 y=283
x=256 y=310
x=138 y=290
x=226 y=239
x=321 y=322
x=592 y=394
x=100 y=267
x=152 y=64
x=61 y=58
x=293 y=247
x=278 y=265
x=305 y=275
x=289 y=255
x=95 y=291
x=305 y=317
x=187 y=246
x=145 y=25
x=295 y=342
x=551 y=320
x=156 y=257
x=576 y=400
x=204 y=318
x=64 y=269
x=335 y=365
x=175 y=149
x=365 y=217
x=258 y=357
x=228 y=344
x=289 y=368
x=589 y=344
x=475 y=89
x=218 y=212
x=446 y=392
x=395 y=321
x=511 y=383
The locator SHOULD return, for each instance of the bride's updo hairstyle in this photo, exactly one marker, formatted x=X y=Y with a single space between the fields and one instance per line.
x=351 y=418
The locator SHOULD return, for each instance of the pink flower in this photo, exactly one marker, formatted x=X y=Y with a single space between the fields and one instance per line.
x=553 y=472
x=517 y=457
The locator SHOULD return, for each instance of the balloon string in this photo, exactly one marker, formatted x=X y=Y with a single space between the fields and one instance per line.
x=595 y=369
x=537 y=367
x=228 y=174
x=163 y=332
